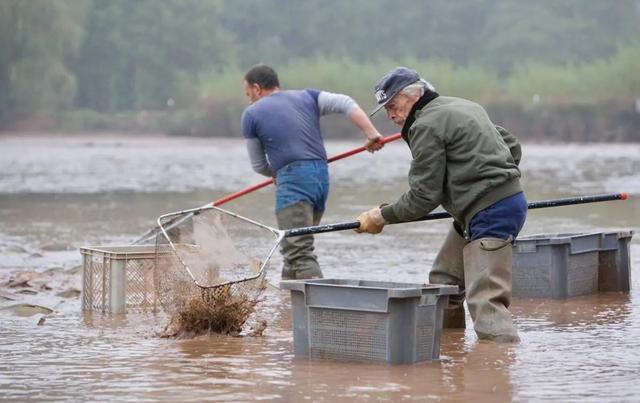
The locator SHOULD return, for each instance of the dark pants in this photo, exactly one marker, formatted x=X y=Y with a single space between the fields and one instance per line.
x=500 y=220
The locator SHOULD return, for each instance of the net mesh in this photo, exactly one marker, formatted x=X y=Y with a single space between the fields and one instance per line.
x=216 y=258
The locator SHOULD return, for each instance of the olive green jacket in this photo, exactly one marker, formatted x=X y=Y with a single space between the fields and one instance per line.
x=461 y=161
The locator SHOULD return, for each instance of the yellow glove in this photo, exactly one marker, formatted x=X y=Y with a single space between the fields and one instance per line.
x=371 y=221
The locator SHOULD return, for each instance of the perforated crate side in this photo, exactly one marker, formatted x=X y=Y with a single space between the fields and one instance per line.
x=614 y=262
x=348 y=335
x=132 y=268
x=582 y=274
x=556 y=266
x=140 y=291
x=532 y=272
x=95 y=281
x=425 y=329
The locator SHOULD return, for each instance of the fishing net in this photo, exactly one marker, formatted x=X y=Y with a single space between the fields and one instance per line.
x=216 y=267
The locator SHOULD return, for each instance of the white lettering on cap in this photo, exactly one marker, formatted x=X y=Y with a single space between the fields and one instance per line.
x=380 y=96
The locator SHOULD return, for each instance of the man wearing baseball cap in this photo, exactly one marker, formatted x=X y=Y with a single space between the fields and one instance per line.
x=469 y=166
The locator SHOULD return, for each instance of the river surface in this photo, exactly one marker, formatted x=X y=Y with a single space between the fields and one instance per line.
x=58 y=194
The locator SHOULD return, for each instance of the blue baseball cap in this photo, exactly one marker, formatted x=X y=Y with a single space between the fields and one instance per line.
x=392 y=83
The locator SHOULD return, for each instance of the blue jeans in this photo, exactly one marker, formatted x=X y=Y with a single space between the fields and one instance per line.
x=500 y=220
x=306 y=180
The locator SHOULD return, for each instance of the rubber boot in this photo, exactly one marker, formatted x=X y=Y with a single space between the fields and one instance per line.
x=448 y=268
x=487 y=270
x=299 y=261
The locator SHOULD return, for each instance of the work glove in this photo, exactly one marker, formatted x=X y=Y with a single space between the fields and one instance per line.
x=371 y=221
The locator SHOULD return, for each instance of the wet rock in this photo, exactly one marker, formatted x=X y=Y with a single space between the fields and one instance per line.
x=69 y=293
x=27 y=291
x=15 y=249
x=35 y=255
x=6 y=297
x=27 y=309
x=52 y=271
x=74 y=270
x=23 y=279
x=57 y=247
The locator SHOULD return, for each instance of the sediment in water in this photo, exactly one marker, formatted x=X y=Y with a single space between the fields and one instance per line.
x=222 y=314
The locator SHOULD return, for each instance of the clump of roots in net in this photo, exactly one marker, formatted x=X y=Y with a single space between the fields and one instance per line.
x=222 y=314
x=211 y=278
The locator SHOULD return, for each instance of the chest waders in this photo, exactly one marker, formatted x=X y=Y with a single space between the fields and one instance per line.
x=482 y=270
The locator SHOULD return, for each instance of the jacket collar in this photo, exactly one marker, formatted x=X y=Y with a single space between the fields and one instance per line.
x=420 y=103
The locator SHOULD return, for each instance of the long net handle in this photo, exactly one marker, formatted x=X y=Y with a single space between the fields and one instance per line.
x=267 y=182
x=318 y=229
x=153 y=232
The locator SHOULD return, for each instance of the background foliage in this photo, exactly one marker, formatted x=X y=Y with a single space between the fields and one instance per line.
x=177 y=65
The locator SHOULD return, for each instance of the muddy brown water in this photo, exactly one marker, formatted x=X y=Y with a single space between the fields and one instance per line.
x=59 y=194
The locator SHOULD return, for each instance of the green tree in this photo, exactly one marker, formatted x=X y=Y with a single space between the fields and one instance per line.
x=556 y=32
x=497 y=34
x=137 y=53
x=36 y=39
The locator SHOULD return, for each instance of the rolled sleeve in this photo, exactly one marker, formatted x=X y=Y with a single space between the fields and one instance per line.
x=329 y=102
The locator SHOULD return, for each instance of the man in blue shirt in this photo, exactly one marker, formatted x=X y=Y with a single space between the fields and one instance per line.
x=282 y=133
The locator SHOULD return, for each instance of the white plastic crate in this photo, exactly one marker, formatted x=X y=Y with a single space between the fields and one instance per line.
x=117 y=279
